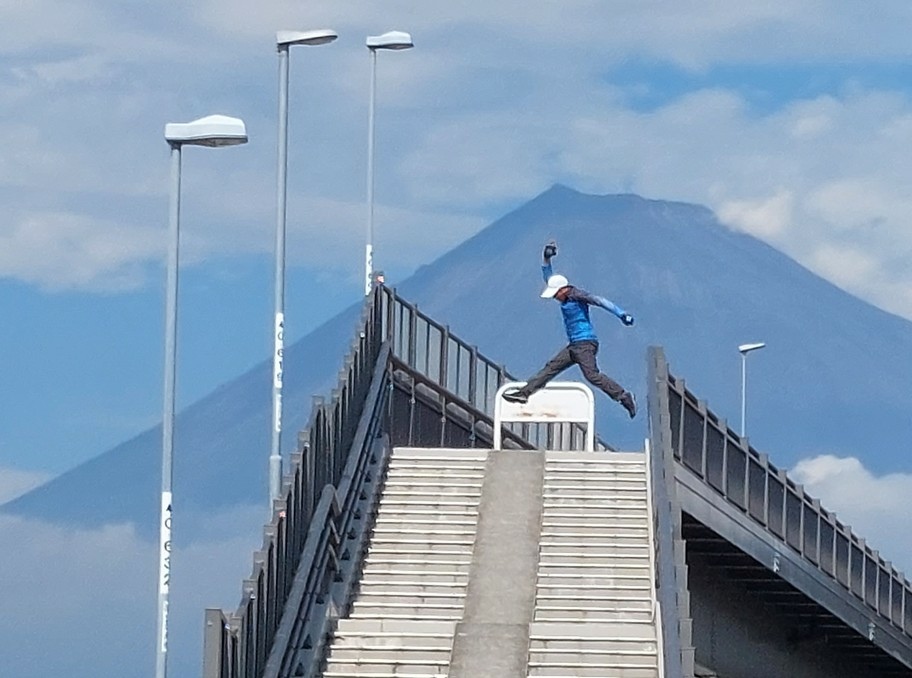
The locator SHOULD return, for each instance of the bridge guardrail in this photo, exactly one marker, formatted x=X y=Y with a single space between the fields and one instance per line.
x=238 y=645
x=725 y=462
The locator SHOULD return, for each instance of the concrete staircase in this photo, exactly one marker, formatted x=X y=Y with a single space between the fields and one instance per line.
x=588 y=573
x=594 y=598
x=413 y=586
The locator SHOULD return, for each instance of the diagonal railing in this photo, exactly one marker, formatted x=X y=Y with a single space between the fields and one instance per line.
x=689 y=440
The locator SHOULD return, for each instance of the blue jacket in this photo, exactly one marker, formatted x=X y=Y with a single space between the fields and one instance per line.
x=575 y=310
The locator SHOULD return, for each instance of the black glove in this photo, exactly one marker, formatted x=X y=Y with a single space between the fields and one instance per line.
x=550 y=250
x=627 y=319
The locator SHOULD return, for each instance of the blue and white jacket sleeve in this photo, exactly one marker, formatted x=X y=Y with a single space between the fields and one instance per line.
x=547 y=271
x=595 y=300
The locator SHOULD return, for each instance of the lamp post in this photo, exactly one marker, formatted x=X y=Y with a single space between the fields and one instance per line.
x=744 y=349
x=395 y=41
x=213 y=131
x=284 y=41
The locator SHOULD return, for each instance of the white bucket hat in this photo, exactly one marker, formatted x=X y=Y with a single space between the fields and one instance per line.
x=555 y=282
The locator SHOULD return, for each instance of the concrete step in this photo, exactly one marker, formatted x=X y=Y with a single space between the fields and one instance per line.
x=433 y=494
x=424 y=577
x=595 y=579
x=411 y=588
x=605 y=538
x=398 y=522
x=432 y=613
x=591 y=593
x=385 y=655
x=593 y=538
x=618 y=630
x=433 y=476
x=397 y=643
x=437 y=464
x=407 y=512
x=385 y=671
x=587 y=659
x=586 y=569
x=607 y=561
x=568 y=507
x=419 y=548
x=629 y=530
x=461 y=566
x=598 y=489
x=606 y=604
x=397 y=628
x=579 y=672
x=592 y=646
x=592 y=500
x=418 y=557
x=586 y=615
x=408 y=502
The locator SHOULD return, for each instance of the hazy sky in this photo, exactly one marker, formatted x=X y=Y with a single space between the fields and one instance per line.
x=791 y=118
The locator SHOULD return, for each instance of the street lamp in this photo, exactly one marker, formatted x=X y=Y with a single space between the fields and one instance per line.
x=213 y=131
x=284 y=40
x=744 y=349
x=394 y=41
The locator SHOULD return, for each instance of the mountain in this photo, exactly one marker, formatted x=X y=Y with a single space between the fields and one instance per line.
x=828 y=381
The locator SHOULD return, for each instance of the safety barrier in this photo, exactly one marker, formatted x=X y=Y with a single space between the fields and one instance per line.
x=728 y=467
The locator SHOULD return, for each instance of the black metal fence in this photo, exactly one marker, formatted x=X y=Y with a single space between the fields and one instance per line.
x=733 y=469
x=453 y=387
x=307 y=520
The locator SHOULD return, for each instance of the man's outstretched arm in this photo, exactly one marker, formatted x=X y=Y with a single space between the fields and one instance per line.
x=602 y=302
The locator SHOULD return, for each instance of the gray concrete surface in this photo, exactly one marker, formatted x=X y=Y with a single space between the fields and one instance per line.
x=492 y=641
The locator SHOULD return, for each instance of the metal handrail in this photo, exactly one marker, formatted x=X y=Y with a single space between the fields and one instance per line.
x=730 y=467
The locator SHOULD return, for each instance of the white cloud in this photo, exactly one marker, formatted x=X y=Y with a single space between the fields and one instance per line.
x=84 y=601
x=875 y=506
x=16 y=482
x=58 y=250
x=766 y=218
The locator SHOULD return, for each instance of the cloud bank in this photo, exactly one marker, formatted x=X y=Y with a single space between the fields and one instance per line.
x=876 y=506
x=83 y=603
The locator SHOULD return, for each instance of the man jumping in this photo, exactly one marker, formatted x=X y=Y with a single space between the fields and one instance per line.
x=583 y=344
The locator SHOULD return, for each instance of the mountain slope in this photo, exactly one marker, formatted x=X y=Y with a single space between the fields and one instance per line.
x=828 y=381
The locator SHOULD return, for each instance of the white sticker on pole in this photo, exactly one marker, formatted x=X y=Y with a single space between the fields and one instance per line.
x=165 y=543
x=279 y=350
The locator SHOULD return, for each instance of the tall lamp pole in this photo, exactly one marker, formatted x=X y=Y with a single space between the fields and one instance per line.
x=284 y=41
x=744 y=349
x=212 y=131
x=395 y=41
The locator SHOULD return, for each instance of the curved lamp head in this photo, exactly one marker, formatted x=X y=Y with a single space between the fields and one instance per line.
x=213 y=130
x=317 y=37
x=394 y=40
x=747 y=348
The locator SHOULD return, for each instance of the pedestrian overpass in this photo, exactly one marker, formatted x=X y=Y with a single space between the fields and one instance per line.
x=428 y=529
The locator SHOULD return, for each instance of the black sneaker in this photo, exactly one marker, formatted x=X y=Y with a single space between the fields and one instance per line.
x=516 y=396
x=629 y=401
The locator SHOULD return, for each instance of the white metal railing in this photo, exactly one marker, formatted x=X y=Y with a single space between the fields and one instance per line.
x=559 y=402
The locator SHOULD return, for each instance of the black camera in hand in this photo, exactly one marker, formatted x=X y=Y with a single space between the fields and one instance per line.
x=550 y=250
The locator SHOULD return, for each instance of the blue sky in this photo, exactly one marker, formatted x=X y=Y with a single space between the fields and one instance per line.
x=792 y=119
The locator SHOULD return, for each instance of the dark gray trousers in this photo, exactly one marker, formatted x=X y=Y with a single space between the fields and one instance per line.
x=583 y=354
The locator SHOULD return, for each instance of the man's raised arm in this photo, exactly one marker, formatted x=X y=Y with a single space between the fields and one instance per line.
x=548 y=252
